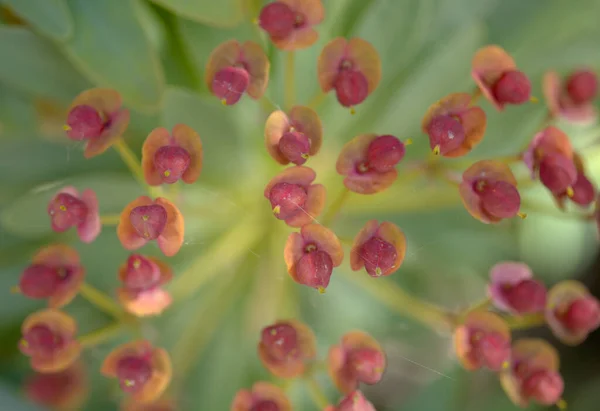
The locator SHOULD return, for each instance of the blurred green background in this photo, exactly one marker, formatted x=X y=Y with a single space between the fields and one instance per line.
x=154 y=53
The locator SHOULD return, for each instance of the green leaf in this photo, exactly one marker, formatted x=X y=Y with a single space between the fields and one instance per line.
x=222 y=13
x=34 y=66
x=17 y=114
x=117 y=55
x=51 y=18
x=27 y=216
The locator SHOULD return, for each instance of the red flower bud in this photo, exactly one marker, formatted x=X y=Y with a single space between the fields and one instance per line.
x=285 y=347
x=49 y=340
x=69 y=209
x=550 y=140
x=557 y=172
x=575 y=106
x=513 y=289
x=354 y=401
x=312 y=254
x=513 y=87
x=358 y=358
x=582 y=86
x=263 y=396
x=97 y=116
x=289 y=23
x=384 y=153
x=543 y=386
x=380 y=248
x=56 y=274
x=582 y=191
x=143 y=371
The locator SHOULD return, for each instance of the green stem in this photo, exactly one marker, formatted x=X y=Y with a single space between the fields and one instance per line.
x=134 y=165
x=526 y=321
x=110 y=219
x=316 y=393
x=289 y=89
x=101 y=301
x=101 y=335
x=483 y=305
x=336 y=207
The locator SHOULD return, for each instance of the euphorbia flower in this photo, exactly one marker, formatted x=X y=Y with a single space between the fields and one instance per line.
x=97 y=116
x=350 y=67
x=160 y=405
x=495 y=73
x=368 y=162
x=357 y=359
x=293 y=138
x=145 y=220
x=64 y=390
x=533 y=374
x=489 y=192
x=573 y=99
x=512 y=288
x=293 y=197
x=583 y=191
x=170 y=157
x=142 y=293
x=289 y=23
x=483 y=340
x=263 y=396
x=379 y=248
x=354 y=401
x=285 y=347
x=454 y=126
x=55 y=274
x=143 y=371
x=549 y=156
x=49 y=340
x=235 y=68
x=572 y=312
x=311 y=255
x=69 y=209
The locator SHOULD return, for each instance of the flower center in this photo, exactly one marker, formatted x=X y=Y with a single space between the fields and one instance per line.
x=294 y=146
x=142 y=274
x=490 y=349
x=40 y=339
x=281 y=341
x=133 y=372
x=230 y=83
x=582 y=86
x=287 y=200
x=149 y=221
x=513 y=87
x=367 y=364
x=39 y=281
x=279 y=20
x=384 y=153
x=379 y=256
x=351 y=87
x=557 y=172
x=66 y=211
x=499 y=199
x=84 y=122
x=527 y=296
x=446 y=134
x=171 y=162
x=314 y=269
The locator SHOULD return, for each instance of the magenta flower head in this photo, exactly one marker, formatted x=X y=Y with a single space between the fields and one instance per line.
x=350 y=67
x=97 y=117
x=285 y=347
x=549 y=157
x=170 y=157
x=235 y=68
x=311 y=255
x=263 y=396
x=572 y=312
x=143 y=371
x=162 y=404
x=293 y=137
x=290 y=23
x=358 y=358
x=69 y=209
x=368 y=162
x=513 y=289
x=143 y=278
x=483 y=340
x=454 y=126
x=571 y=100
x=583 y=192
x=293 y=196
x=495 y=73
x=56 y=274
x=533 y=374
x=64 y=390
x=145 y=220
x=354 y=401
x=49 y=340
x=379 y=248
x=489 y=192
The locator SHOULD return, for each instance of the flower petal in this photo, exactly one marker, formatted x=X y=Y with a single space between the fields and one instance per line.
x=157 y=138
x=188 y=139
x=224 y=55
x=371 y=182
x=59 y=361
x=118 y=124
x=166 y=273
x=242 y=401
x=306 y=339
x=303 y=176
x=57 y=255
x=325 y=240
x=258 y=66
x=312 y=10
x=481 y=320
x=91 y=227
x=551 y=87
x=162 y=373
x=133 y=348
x=67 y=290
x=171 y=239
x=369 y=229
x=292 y=252
x=392 y=234
x=306 y=121
x=129 y=237
x=315 y=202
x=104 y=100
x=474 y=122
x=491 y=170
x=353 y=153
x=365 y=58
x=299 y=39
x=146 y=303
x=276 y=125
x=329 y=62
x=488 y=64
x=56 y=320
x=564 y=292
x=503 y=274
x=549 y=140
x=267 y=391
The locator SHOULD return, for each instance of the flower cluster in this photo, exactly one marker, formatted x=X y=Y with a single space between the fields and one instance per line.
x=528 y=368
x=367 y=164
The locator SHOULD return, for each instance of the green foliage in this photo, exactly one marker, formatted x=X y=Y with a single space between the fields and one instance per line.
x=155 y=53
